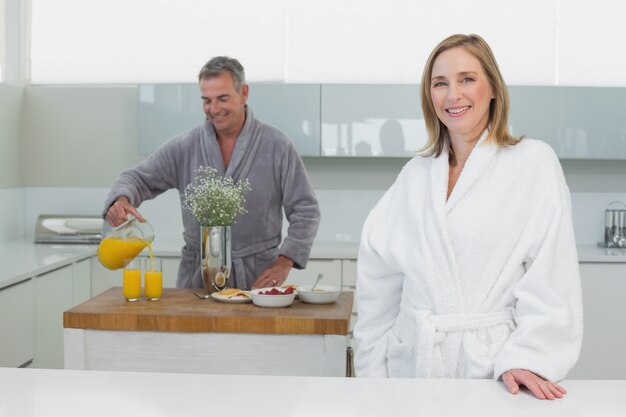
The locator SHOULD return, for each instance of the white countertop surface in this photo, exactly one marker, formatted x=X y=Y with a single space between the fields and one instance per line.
x=22 y=259
x=44 y=392
x=594 y=253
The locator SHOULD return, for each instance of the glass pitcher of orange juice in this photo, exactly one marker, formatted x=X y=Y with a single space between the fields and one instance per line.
x=125 y=242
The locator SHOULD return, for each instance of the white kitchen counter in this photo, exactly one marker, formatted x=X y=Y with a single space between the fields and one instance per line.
x=594 y=253
x=42 y=393
x=22 y=259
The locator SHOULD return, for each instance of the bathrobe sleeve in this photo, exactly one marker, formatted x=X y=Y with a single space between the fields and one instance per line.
x=379 y=288
x=301 y=209
x=548 y=310
x=153 y=176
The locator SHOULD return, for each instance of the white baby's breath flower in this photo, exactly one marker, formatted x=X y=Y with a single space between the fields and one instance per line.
x=213 y=200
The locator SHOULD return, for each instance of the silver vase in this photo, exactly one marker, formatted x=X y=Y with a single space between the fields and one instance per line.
x=215 y=256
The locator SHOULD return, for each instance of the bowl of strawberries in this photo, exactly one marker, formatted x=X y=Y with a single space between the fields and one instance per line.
x=273 y=296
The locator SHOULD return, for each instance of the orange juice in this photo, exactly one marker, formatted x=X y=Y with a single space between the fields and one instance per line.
x=154 y=285
x=132 y=284
x=154 y=277
x=151 y=256
x=113 y=252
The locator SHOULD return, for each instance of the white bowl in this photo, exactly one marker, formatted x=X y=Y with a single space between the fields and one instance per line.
x=323 y=294
x=279 y=300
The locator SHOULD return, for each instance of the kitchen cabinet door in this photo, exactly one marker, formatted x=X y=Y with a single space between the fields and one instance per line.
x=102 y=279
x=53 y=296
x=165 y=110
x=81 y=281
x=330 y=268
x=383 y=120
x=604 y=343
x=17 y=324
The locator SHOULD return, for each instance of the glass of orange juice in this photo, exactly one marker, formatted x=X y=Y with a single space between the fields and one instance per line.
x=154 y=279
x=132 y=280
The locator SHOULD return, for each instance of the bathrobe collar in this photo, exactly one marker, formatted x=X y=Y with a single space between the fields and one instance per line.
x=451 y=299
x=243 y=146
x=478 y=160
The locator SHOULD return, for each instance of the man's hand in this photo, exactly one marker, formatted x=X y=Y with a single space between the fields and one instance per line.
x=119 y=211
x=275 y=275
x=542 y=389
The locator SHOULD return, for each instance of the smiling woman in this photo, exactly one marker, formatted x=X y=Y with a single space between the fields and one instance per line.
x=440 y=291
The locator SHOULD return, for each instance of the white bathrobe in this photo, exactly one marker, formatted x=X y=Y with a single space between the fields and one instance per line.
x=471 y=287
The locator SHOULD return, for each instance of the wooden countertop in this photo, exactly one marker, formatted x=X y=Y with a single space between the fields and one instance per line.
x=179 y=310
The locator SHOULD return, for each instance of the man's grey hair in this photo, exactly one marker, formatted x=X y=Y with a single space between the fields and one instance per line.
x=221 y=64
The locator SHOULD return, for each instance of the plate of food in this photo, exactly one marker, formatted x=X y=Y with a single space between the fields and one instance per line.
x=232 y=295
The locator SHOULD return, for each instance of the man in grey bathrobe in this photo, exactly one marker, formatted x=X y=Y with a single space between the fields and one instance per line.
x=238 y=146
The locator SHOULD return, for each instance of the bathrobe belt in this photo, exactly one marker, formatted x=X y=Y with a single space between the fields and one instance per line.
x=432 y=329
x=239 y=255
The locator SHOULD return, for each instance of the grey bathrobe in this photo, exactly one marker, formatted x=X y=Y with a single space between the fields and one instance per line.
x=268 y=159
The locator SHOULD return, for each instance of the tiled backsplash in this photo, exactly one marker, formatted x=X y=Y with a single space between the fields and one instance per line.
x=343 y=211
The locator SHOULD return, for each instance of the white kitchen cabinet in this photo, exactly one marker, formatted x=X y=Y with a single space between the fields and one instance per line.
x=330 y=268
x=354 y=124
x=53 y=296
x=102 y=278
x=81 y=281
x=17 y=324
x=603 y=354
x=165 y=110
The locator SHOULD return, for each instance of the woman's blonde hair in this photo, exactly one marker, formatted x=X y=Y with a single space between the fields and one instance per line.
x=498 y=108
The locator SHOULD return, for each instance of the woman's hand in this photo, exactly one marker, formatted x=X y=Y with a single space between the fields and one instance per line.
x=542 y=389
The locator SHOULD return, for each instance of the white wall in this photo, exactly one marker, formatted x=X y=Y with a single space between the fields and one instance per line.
x=12 y=214
x=537 y=42
x=10 y=146
x=11 y=92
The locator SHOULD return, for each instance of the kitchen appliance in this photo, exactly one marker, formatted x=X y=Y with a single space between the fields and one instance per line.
x=615 y=225
x=55 y=228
